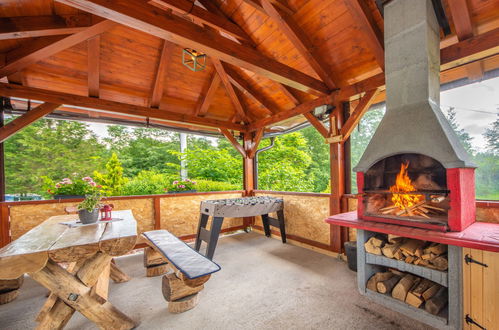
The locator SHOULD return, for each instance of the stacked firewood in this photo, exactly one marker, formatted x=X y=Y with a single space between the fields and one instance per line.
x=411 y=289
x=412 y=251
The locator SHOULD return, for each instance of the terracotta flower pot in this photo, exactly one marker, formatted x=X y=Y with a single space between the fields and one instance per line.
x=88 y=217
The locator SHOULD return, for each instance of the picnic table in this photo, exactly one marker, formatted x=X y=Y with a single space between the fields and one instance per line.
x=81 y=286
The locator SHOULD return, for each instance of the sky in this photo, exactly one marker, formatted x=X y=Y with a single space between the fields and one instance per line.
x=476 y=107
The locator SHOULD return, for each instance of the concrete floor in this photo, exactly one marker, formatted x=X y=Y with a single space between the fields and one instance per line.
x=263 y=284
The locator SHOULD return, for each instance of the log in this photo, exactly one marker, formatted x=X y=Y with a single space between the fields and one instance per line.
x=436 y=248
x=395 y=239
x=435 y=304
x=389 y=250
x=387 y=285
x=152 y=257
x=430 y=292
x=8 y=295
x=7 y=285
x=424 y=285
x=440 y=263
x=398 y=255
x=431 y=207
x=413 y=300
x=117 y=275
x=373 y=245
x=411 y=245
x=376 y=241
x=388 y=208
x=403 y=286
x=152 y=271
x=173 y=288
x=373 y=281
x=410 y=259
x=426 y=256
x=183 y=304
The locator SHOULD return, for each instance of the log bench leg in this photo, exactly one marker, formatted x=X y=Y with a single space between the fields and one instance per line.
x=180 y=297
x=78 y=293
x=154 y=262
x=9 y=289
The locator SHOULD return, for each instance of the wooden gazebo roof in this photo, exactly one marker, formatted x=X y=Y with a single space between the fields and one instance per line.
x=268 y=60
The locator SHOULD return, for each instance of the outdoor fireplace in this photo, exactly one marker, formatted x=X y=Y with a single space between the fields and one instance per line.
x=415 y=172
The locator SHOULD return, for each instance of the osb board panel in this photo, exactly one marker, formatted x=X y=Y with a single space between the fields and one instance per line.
x=490 y=215
x=25 y=217
x=180 y=215
x=304 y=216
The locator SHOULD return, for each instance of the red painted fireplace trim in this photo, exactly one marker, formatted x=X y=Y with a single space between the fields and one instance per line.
x=461 y=183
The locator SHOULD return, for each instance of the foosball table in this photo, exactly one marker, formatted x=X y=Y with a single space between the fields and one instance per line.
x=237 y=208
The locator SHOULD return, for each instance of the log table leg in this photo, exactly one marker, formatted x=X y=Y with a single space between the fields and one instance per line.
x=78 y=293
x=117 y=275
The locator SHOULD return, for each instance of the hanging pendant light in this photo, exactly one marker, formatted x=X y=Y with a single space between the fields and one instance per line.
x=196 y=61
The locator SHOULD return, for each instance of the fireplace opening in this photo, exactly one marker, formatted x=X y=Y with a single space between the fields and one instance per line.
x=409 y=187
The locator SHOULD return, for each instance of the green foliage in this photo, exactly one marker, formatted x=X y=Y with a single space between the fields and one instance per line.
x=112 y=182
x=73 y=185
x=182 y=185
x=52 y=148
x=147 y=183
x=91 y=202
x=207 y=185
x=492 y=136
x=464 y=137
x=319 y=170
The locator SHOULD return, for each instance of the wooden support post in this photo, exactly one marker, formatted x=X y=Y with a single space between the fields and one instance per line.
x=157 y=213
x=248 y=173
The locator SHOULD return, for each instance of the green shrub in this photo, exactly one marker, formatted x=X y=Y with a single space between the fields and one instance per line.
x=147 y=183
x=207 y=185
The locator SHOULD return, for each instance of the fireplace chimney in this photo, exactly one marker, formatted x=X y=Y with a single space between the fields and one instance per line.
x=413 y=122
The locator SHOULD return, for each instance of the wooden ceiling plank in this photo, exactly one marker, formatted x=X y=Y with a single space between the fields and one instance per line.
x=228 y=135
x=237 y=80
x=93 y=70
x=298 y=110
x=301 y=42
x=189 y=9
x=319 y=126
x=241 y=112
x=55 y=47
x=205 y=101
x=364 y=18
x=256 y=142
x=159 y=81
x=365 y=102
x=41 y=26
x=29 y=117
x=258 y=5
x=147 y=18
x=10 y=90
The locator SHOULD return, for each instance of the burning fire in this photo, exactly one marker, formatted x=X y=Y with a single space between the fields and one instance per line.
x=403 y=184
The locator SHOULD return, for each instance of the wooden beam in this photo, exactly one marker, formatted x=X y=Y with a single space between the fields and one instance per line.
x=189 y=9
x=364 y=104
x=204 y=104
x=237 y=80
x=159 y=81
x=258 y=5
x=256 y=142
x=363 y=16
x=147 y=18
x=319 y=126
x=9 y=90
x=230 y=89
x=18 y=64
x=26 y=119
x=233 y=141
x=290 y=94
x=302 y=43
x=93 y=70
x=41 y=26
x=298 y=110
x=461 y=18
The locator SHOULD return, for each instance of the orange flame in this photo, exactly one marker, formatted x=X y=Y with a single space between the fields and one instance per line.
x=404 y=184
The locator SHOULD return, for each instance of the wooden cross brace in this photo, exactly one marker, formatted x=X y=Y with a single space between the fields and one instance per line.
x=82 y=287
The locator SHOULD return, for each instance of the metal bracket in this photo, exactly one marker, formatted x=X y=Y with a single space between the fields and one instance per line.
x=469 y=320
x=73 y=297
x=468 y=259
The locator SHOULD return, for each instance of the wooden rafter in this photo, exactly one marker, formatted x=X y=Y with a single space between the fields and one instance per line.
x=93 y=70
x=9 y=90
x=137 y=15
x=363 y=15
x=302 y=43
x=233 y=141
x=207 y=97
x=298 y=110
x=319 y=126
x=237 y=80
x=159 y=81
x=258 y=5
x=26 y=119
x=189 y=9
x=17 y=64
x=289 y=94
x=240 y=111
x=41 y=26
x=256 y=142
x=365 y=102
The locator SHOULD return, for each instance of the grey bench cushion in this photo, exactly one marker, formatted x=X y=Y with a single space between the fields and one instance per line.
x=190 y=262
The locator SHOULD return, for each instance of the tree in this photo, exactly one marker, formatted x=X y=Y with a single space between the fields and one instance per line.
x=318 y=150
x=112 y=182
x=492 y=136
x=464 y=137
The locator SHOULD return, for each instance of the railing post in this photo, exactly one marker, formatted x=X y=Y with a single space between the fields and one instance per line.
x=4 y=224
x=157 y=212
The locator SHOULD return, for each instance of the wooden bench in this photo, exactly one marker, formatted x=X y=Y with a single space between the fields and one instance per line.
x=190 y=269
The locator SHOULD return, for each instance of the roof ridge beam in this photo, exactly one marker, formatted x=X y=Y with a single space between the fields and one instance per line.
x=207 y=97
x=141 y=16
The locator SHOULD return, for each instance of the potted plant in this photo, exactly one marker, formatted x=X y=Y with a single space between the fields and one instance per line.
x=71 y=187
x=182 y=186
x=88 y=210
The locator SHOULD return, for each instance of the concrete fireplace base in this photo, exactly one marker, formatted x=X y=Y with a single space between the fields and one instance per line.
x=368 y=265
